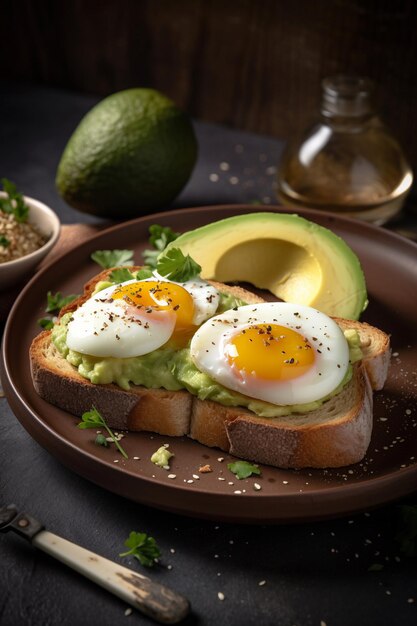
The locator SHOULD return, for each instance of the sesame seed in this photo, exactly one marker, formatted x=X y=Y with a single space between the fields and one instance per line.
x=220 y=595
x=172 y=475
x=257 y=486
x=261 y=583
x=22 y=238
x=128 y=612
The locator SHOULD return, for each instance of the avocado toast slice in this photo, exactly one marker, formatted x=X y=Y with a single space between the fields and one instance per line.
x=335 y=434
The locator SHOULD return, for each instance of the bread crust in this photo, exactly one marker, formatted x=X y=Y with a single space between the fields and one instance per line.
x=336 y=434
x=341 y=439
x=376 y=350
x=57 y=382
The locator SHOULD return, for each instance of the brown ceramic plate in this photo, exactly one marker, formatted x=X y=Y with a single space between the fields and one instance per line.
x=389 y=470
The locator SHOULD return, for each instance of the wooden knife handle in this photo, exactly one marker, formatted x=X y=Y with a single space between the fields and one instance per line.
x=159 y=602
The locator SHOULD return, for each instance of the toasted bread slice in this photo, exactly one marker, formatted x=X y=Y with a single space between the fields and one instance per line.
x=336 y=434
x=58 y=382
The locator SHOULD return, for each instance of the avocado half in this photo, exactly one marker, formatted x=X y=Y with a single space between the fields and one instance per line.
x=297 y=260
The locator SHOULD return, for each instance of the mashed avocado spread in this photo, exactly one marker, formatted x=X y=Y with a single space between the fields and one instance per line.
x=172 y=369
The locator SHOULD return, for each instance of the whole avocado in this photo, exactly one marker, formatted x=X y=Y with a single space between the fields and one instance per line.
x=131 y=153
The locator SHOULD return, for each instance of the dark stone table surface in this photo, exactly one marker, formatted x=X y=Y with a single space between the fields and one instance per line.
x=308 y=574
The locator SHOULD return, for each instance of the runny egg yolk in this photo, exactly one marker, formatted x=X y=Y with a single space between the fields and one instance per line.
x=155 y=295
x=270 y=352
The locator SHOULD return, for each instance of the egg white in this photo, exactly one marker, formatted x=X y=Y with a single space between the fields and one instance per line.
x=206 y=297
x=104 y=327
x=209 y=348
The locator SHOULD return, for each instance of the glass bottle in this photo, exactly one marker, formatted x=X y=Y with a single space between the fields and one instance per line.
x=348 y=163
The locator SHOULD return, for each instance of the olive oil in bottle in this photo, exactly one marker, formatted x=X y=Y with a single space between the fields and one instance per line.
x=348 y=163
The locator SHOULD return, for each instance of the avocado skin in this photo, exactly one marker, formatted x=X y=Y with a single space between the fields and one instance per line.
x=133 y=152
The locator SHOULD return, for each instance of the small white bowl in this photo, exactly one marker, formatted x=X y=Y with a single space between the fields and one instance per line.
x=47 y=223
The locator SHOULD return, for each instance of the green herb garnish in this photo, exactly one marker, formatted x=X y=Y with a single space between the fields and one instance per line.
x=46 y=323
x=14 y=203
x=121 y=275
x=100 y=440
x=4 y=241
x=175 y=266
x=93 y=419
x=144 y=273
x=243 y=469
x=112 y=258
x=143 y=548
x=407 y=529
x=160 y=237
x=55 y=301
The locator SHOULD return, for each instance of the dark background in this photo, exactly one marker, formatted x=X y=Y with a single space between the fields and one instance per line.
x=253 y=65
x=250 y=64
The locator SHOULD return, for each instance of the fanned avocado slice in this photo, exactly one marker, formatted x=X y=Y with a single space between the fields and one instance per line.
x=294 y=258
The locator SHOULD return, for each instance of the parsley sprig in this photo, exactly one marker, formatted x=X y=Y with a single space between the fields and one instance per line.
x=94 y=419
x=243 y=469
x=14 y=202
x=56 y=301
x=121 y=275
x=143 y=548
x=145 y=272
x=112 y=258
x=176 y=266
x=160 y=237
x=4 y=241
x=46 y=323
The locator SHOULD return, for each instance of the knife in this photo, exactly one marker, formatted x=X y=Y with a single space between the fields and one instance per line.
x=157 y=601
